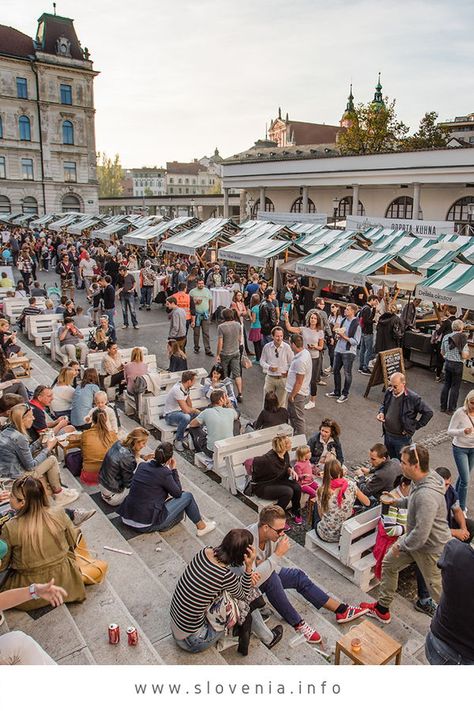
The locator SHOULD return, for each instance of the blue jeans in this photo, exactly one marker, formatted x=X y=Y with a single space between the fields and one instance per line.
x=340 y=360
x=395 y=444
x=452 y=384
x=179 y=419
x=145 y=295
x=128 y=304
x=201 y=640
x=366 y=350
x=438 y=652
x=110 y=313
x=174 y=512
x=292 y=579
x=464 y=458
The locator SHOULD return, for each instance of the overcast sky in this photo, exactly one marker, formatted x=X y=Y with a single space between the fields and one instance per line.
x=180 y=78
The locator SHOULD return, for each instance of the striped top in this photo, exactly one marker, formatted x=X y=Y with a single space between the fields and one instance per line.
x=200 y=584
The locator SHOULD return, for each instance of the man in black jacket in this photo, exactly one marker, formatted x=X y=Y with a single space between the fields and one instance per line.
x=402 y=412
x=268 y=315
x=382 y=473
x=366 y=319
x=108 y=299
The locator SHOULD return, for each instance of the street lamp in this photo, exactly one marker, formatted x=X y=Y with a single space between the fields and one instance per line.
x=470 y=213
x=250 y=204
x=335 y=208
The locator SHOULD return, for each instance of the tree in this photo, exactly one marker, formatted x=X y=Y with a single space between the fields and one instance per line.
x=110 y=175
x=373 y=128
x=429 y=135
x=148 y=192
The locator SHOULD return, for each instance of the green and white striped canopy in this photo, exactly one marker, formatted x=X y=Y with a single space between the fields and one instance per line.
x=453 y=284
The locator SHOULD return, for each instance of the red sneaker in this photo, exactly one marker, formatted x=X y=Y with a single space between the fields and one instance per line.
x=372 y=611
x=352 y=613
x=312 y=637
x=287 y=527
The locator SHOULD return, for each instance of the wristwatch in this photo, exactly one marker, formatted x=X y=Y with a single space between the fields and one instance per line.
x=33 y=593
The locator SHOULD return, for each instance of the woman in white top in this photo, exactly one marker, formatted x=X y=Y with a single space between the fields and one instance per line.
x=63 y=392
x=461 y=429
x=313 y=340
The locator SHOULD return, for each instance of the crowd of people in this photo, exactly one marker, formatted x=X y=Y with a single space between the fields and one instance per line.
x=288 y=334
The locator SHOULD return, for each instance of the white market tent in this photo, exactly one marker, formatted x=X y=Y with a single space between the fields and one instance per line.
x=325 y=235
x=453 y=284
x=349 y=266
x=107 y=231
x=423 y=259
x=44 y=220
x=86 y=223
x=66 y=220
x=143 y=235
x=262 y=242
x=211 y=232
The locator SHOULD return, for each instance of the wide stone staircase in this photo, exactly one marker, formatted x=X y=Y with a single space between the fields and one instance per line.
x=138 y=587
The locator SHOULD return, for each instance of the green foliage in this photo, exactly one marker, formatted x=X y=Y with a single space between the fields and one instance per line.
x=373 y=129
x=429 y=135
x=110 y=175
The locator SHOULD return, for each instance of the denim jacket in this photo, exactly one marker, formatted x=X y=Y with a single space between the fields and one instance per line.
x=16 y=453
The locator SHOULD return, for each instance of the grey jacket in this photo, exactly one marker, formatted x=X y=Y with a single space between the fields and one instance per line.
x=381 y=479
x=16 y=453
x=427 y=526
x=178 y=323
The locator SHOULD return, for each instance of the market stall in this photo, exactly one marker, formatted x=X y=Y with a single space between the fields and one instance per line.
x=87 y=223
x=68 y=219
x=210 y=235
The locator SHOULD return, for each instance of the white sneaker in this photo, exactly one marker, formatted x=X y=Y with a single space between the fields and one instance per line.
x=309 y=405
x=66 y=497
x=178 y=445
x=210 y=526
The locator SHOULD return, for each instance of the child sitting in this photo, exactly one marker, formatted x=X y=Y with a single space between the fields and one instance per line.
x=304 y=471
x=218 y=381
x=101 y=403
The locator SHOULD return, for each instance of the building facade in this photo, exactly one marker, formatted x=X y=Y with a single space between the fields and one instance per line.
x=47 y=121
x=435 y=185
x=284 y=132
x=461 y=128
x=148 y=181
x=190 y=178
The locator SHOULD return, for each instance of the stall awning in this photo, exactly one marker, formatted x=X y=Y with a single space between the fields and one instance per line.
x=453 y=284
x=107 y=231
x=44 y=220
x=256 y=250
x=218 y=230
x=325 y=235
x=349 y=266
x=424 y=259
x=66 y=220
x=85 y=224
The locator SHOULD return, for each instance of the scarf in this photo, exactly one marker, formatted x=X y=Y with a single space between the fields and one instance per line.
x=342 y=485
x=457 y=340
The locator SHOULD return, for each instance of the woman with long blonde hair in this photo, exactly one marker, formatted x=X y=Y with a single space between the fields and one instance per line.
x=119 y=465
x=40 y=542
x=461 y=429
x=95 y=443
x=63 y=392
x=335 y=498
x=135 y=368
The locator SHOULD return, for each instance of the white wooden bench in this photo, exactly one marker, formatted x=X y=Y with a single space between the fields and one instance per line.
x=352 y=556
x=12 y=307
x=225 y=447
x=234 y=475
x=95 y=358
x=40 y=328
x=154 y=412
x=56 y=353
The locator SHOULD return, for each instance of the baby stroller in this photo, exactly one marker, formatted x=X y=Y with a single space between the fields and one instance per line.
x=54 y=293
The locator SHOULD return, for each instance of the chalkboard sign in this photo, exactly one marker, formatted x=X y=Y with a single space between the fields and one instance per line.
x=387 y=363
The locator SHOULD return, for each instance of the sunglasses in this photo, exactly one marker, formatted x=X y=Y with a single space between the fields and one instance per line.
x=277 y=530
x=27 y=409
x=413 y=449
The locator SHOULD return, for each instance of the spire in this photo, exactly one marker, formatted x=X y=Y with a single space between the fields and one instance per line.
x=287 y=119
x=350 y=101
x=279 y=112
x=378 y=101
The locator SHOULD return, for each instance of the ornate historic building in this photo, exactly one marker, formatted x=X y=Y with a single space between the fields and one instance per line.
x=284 y=132
x=47 y=132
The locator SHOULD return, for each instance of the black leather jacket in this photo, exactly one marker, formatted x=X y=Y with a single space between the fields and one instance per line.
x=117 y=468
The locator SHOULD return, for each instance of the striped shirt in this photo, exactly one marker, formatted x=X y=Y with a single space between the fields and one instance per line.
x=451 y=354
x=200 y=584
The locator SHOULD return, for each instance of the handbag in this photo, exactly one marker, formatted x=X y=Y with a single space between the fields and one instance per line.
x=73 y=462
x=246 y=362
x=255 y=335
x=93 y=570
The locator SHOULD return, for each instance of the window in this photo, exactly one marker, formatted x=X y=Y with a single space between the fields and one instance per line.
x=171 y=181
x=25 y=128
x=70 y=174
x=68 y=133
x=179 y=181
x=3 y=170
x=269 y=207
x=4 y=205
x=459 y=212
x=66 y=94
x=298 y=205
x=171 y=191
x=71 y=203
x=401 y=208
x=30 y=206
x=27 y=168
x=345 y=208
x=21 y=88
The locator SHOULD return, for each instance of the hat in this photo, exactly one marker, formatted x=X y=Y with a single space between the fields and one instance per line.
x=3 y=549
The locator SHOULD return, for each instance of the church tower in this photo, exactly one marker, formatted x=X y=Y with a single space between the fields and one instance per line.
x=378 y=102
x=349 y=115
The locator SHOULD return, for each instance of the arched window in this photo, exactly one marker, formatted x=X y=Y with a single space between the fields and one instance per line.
x=25 y=128
x=401 y=209
x=4 y=205
x=30 y=206
x=68 y=133
x=71 y=203
x=269 y=207
x=459 y=212
x=345 y=208
x=298 y=205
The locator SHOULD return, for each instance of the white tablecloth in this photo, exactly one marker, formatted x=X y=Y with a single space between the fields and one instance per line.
x=221 y=297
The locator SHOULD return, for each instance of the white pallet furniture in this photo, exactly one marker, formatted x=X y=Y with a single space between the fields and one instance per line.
x=154 y=412
x=225 y=447
x=40 y=328
x=56 y=345
x=235 y=475
x=95 y=358
x=352 y=556
x=12 y=307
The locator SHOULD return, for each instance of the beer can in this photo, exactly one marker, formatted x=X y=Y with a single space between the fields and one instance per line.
x=132 y=635
x=114 y=634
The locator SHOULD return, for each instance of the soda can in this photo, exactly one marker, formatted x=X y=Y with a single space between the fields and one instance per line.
x=132 y=635
x=114 y=634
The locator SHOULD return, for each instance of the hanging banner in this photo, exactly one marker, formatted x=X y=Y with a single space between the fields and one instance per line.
x=289 y=218
x=419 y=228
